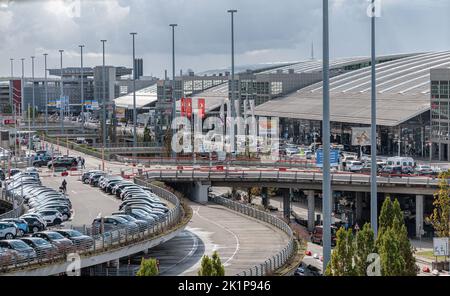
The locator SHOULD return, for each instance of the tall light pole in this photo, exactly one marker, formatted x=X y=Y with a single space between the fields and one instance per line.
x=11 y=84
x=32 y=87
x=61 y=113
x=134 y=92
x=82 y=88
x=174 y=102
x=373 y=171
x=46 y=92
x=235 y=112
x=326 y=184
x=22 y=103
x=104 y=95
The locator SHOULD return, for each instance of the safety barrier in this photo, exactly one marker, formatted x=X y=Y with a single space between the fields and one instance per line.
x=99 y=243
x=17 y=211
x=276 y=261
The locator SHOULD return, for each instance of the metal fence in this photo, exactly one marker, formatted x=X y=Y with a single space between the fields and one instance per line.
x=276 y=261
x=16 y=202
x=98 y=242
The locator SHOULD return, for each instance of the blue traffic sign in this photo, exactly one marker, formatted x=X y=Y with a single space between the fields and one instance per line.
x=334 y=157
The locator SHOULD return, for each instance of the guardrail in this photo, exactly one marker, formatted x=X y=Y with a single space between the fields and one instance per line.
x=99 y=243
x=221 y=173
x=276 y=261
x=14 y=201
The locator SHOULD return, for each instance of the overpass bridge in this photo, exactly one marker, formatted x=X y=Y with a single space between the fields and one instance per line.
x=197 y=180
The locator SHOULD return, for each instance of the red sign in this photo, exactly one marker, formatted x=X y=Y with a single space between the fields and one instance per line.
x=17 y=93
x=183 y=107
x=188 y=107
x=201 y=108
x=8 y=121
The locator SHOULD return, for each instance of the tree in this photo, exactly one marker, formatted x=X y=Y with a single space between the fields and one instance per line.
x=341 y=263
x=365 y=245
x=385 y=219
x=206 y=268
x=392 y=263
x=440 y=218
x=211 y=266
x=149 y=267
x=147 y=137
x=219 y=269
x=406 y=250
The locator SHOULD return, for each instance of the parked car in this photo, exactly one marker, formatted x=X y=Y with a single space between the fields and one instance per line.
x=24 y=252
x=391 y=171
x=8 y=230
x=52 y=217
x=34 y=224
x=7 y=256
x=81 y=241
x=43 y=248
x=63 y=244
x=422 y=169
x=317 y=235
x=354 y=166
x=307 y=270
x=21 y=224
x=112 y=223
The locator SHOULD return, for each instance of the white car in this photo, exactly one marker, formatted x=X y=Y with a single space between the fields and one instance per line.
x=354 y=166
x=52 y=217
x=8 y=230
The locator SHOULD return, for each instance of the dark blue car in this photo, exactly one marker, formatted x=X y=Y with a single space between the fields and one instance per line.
x=21 y=224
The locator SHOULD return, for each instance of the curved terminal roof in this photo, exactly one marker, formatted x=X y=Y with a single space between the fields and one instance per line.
x=403 y=87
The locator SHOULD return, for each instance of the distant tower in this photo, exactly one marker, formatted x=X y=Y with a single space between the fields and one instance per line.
x=312 y=50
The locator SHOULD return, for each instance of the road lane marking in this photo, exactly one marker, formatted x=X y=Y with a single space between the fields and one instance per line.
x=196 y=212
x=191 y=252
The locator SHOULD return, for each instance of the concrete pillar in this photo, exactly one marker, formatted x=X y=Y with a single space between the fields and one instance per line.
x=287 y=203
x=419 y=215
x=200 y=192
x=359 y=205
x=311 y=209
x=264 y=197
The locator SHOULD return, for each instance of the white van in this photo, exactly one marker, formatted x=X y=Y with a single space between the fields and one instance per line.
x=404 y=162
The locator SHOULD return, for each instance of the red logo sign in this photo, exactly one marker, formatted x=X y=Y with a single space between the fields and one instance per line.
x=201 y=108
x=188 y=103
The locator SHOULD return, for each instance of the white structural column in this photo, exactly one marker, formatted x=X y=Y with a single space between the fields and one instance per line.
x=200 y=192
x=359 y=204
x=311 y=208
x=419 y=215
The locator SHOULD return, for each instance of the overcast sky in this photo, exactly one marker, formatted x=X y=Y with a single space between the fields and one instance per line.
x=265 y=31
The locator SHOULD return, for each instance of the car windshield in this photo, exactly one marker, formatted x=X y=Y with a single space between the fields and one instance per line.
x=41 y=242
x=74 y=233
x=120 y=219
x=19 y=245
x=54 y=235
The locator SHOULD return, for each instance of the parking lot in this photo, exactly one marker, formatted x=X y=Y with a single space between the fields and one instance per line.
x=87 y=202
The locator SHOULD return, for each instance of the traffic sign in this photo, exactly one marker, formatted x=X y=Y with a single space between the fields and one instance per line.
x=440 y=246
x=334 y=157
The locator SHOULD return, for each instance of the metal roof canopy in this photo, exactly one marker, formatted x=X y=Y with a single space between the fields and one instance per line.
x=392 y=110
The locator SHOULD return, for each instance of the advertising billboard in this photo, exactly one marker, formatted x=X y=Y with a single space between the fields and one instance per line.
x=361 y=136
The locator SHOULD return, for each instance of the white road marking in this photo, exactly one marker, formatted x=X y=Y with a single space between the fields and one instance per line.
x=196 y=212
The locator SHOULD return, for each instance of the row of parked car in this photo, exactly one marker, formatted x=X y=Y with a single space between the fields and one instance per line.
x=27 y=238
x=140 y=207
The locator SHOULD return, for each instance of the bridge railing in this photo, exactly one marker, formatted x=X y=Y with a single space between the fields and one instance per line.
x=16 y=202
x=214 y=173
x=98 y=242
x=279 y=259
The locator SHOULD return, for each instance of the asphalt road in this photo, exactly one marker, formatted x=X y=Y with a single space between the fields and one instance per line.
x=87 y=202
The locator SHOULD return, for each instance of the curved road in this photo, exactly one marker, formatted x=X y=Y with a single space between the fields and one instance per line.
x=241 y=241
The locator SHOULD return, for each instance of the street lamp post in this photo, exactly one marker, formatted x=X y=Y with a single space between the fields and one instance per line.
x=104 y=95
x=174 y=102
x=62 y=92
x=11 y=86
x=134 y=93
x=326 y=184
x=237 y=111
x=46 y=92
x=32 y=87
x=22 y=103
x=82 y=89
x=373 y=170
